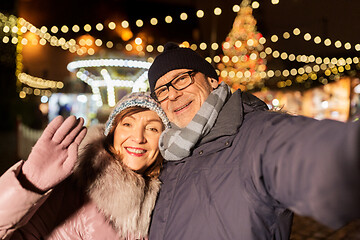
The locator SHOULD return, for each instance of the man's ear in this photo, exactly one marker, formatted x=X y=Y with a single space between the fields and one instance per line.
x=213 y=82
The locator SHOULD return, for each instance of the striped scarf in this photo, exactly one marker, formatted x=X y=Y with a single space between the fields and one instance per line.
x=177 y=143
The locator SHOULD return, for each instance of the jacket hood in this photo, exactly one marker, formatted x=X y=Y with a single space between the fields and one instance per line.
x=251 y=102
x=228 y=123
x=125 y=197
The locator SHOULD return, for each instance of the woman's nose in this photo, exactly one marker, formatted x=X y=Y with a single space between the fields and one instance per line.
x=138 y=135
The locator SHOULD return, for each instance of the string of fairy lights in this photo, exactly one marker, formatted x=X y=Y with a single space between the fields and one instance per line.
x=21 y=32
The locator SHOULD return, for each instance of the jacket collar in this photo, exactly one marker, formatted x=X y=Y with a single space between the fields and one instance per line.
x=124 y=197
x=232 y=114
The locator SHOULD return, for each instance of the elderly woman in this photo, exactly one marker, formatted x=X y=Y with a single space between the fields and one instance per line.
x=108 y=192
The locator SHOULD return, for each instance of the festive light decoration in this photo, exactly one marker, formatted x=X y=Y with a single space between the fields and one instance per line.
x=246 y=69
x=75 y=47
x=17 y=31
x=37 y=86
x=44 y=34
x=19 y=66
x=107 y=78
x=38 y=92
x=36 y=82
x=53 y=40
x=317 y=40
x=107 y=63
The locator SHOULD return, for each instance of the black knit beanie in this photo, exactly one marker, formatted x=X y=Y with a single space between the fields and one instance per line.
x=174 y=57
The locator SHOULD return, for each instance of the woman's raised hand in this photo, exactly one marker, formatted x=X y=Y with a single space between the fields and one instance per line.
x=53 y=157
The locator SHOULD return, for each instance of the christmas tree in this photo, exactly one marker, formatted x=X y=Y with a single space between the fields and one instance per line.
x=242 y=67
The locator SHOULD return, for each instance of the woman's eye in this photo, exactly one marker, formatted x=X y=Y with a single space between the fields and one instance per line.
x=125 y=124
x=153 y=129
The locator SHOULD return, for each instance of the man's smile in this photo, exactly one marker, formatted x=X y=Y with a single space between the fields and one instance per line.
x=182 y=107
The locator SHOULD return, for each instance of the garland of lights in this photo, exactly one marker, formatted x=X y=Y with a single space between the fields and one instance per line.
x=19 y=26
x=268 y=74
x=36 y=82
x=73 y=47
x=326 y=67
x=80 y=48
x=317 y=40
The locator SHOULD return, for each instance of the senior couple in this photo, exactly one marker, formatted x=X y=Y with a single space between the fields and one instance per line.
x=191 y=161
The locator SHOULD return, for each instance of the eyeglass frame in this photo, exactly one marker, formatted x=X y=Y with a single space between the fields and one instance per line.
x=167 y=85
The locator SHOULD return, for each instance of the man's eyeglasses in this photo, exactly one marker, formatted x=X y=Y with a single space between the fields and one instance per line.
x=179 y=83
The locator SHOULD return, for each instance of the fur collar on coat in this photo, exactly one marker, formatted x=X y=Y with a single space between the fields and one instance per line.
x=125 y=197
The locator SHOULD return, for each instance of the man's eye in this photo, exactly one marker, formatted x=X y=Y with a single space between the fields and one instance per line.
x=181 y=78
x=160 y=91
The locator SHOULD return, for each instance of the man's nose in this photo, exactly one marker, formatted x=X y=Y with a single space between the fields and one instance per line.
x=173 y=93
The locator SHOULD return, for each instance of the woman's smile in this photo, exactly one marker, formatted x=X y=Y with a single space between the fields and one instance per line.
x=135 y=151
x=136 y=139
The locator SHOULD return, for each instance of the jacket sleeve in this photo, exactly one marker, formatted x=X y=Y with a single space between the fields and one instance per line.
x=17 y=205
x=311 y=167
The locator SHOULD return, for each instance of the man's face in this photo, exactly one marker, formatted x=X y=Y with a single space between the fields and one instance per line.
x=181 y=106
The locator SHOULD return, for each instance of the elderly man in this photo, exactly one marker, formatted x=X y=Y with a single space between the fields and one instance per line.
x=237 y=171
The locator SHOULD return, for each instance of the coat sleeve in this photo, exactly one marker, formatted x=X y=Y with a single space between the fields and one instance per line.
x=311 y=167
x=17 y=205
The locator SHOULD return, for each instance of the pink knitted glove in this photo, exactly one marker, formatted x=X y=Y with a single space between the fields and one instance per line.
x=54 y=155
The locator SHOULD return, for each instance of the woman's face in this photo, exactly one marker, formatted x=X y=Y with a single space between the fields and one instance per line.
x=136 y=139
